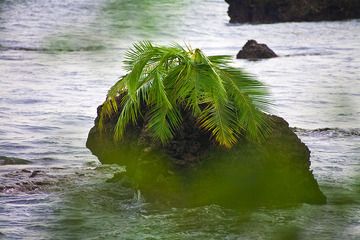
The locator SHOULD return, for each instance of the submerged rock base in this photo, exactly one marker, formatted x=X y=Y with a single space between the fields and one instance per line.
x=265 y=11
x=193 y=171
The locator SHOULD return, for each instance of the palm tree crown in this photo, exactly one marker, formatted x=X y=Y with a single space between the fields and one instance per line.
x=224 y=100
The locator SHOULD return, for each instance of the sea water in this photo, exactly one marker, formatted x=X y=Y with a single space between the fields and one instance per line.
x=59 y=58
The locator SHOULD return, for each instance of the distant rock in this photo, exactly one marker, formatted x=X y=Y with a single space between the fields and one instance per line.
x=265 y=11
x=192 y=171
x=254 y=50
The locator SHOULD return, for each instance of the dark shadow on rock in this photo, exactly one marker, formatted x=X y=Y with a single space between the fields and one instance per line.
x=253 y=50
x=192 y=171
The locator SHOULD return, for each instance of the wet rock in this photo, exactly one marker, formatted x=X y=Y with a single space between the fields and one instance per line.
x=20 y=181
x=191 y=170
x=264 y=11
x=35 y=173
x=254 y=50
x=80 y=174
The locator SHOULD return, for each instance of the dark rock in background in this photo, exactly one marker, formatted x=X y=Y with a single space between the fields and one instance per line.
x=270 y=11
x=254 y=50
x=191 y=170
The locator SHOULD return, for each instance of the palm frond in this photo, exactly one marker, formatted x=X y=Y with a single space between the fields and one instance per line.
x=129 y=114
x=164 y=117
x=225 y=101
x=251 y=100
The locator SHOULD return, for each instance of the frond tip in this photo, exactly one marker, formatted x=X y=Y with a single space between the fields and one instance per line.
x=226 y=102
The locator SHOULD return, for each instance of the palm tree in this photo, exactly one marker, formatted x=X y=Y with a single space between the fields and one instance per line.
x=224 y=100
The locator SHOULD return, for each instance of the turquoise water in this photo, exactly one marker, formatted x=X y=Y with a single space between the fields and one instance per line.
x=57 y=60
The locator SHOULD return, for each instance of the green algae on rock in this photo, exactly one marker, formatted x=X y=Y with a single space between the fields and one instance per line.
x=191 y=170
x=192 y=164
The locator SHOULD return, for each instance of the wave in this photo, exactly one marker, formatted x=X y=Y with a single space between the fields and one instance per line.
x=13 y=161
x=334 y=132
x=306 y=54
x=53 y=49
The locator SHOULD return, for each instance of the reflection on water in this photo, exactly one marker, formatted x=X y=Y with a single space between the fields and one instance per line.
x=108 y=210
x=69 y=43
x=121 y=20
x=57 y=60
x=142 y=18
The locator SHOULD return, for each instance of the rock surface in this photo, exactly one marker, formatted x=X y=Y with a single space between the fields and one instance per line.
x=266 y=11
x=25 y=181
x=192 y=171
x=254 y=50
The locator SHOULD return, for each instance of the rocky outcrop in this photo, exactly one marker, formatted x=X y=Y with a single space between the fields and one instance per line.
x=191 y=170
x=26 y=181
x=266 y=11
x=254 y=50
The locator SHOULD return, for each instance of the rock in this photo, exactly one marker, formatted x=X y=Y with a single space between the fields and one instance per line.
x=192 y=171
x=35 y=173
x=264 y=11
x=20 y=181
x=254 y=50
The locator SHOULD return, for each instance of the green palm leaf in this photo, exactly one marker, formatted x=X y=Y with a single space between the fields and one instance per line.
x=225 y=101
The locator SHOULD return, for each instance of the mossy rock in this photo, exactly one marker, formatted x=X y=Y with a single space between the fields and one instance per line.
x=192 y=170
